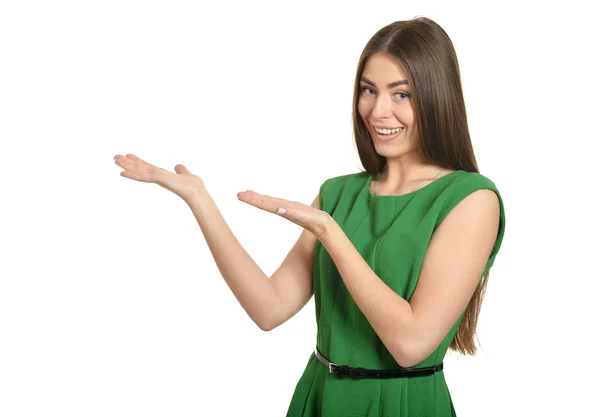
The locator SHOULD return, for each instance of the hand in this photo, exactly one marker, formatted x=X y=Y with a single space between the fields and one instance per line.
x=182 y=182
x=314 y=220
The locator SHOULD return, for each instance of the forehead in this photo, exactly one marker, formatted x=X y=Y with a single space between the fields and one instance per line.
x=383 y=68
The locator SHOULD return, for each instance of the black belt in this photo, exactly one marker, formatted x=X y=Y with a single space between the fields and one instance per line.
x=343 y=370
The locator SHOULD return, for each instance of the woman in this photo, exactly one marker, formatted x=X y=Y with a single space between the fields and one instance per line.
x=397 y=257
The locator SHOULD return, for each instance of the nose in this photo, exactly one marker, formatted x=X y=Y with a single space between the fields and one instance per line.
x=382 y=107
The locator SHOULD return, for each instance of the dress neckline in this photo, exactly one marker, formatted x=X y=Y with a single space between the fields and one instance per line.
x=371 y=195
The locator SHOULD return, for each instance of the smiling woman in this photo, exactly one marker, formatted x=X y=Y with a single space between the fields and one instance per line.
x=397 y=257
x=386 y=95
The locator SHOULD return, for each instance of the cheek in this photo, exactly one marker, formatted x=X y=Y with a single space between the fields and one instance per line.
x=364 y=108
x=411 y=115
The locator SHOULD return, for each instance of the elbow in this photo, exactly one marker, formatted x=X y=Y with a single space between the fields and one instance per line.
x=266 y=317
x=266 y=324
x=404 y=360
x=408 y=355
x=265 y=327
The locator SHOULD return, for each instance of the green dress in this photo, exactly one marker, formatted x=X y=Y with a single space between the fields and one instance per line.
x=392 y=234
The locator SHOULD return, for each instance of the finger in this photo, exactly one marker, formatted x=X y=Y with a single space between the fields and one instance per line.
x=121 y=160
x=260 y=201
x=125 y=158
x=126 y=174
x=254 y=197
x=132 y=175
x=136 y=169
x=181 y=169
x=125 y=163
x=135 y=158
x=286 y=204
x=299 y=217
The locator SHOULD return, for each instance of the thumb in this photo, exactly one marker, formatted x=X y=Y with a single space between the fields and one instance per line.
x=181 y=169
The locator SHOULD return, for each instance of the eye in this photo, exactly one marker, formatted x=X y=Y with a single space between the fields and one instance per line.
x=368 y=90
x=402 y=95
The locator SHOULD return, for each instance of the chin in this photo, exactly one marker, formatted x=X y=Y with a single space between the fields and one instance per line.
x=392 y=151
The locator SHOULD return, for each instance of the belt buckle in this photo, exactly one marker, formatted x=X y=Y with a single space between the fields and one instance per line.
x=330 y=369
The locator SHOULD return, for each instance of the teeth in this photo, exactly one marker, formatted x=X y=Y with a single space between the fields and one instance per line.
x=388 y=131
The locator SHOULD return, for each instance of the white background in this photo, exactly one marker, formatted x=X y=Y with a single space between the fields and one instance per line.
x=110 y=301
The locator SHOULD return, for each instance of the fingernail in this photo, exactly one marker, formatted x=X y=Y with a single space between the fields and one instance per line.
x=281 y=210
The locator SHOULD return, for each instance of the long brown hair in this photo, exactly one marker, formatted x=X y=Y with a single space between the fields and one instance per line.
x=425 y=52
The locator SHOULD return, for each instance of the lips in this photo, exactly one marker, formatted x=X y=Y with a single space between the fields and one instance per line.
x=381 y=137
x=387 y=130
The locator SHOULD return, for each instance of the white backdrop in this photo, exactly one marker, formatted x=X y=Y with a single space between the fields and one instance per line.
x=110 y=301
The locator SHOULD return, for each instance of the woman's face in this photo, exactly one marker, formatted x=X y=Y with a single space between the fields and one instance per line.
x=385 y=106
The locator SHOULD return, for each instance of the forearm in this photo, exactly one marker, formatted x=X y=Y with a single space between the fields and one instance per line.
x=388 y=313
x=250 y=285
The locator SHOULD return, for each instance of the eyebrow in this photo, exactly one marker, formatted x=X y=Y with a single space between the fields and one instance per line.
x=390 y=85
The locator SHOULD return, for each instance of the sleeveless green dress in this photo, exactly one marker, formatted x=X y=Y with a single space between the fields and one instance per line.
x=392 y=234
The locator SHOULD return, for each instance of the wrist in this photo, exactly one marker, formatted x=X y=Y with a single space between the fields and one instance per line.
x=331 y=228
x=197 y=197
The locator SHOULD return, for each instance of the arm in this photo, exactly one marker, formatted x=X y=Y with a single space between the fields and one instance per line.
x=268 y=302
x=453 y=264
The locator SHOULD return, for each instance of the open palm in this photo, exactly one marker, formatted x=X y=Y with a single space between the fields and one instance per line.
x=181 y=182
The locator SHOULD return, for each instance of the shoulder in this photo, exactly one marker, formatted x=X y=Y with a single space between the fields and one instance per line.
x=472 y=199
x=340 y=182
x=332 y=189
x=467 y=180
x=462 y=185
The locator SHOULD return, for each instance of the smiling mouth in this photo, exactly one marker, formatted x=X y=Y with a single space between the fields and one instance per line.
x=387 y=131
x=387 y=135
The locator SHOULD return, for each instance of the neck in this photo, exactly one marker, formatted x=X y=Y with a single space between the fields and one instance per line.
x=399 y=176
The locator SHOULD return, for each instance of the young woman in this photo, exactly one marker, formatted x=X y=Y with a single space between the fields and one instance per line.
x=397 y=257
